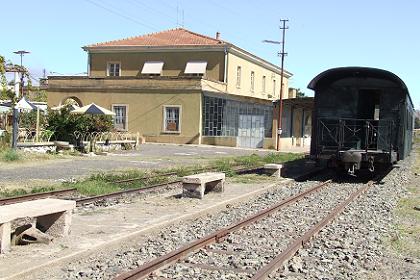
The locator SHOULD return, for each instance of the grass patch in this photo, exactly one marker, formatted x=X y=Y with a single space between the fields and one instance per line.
x=228 y=165
x=94 y=187
x=251 y=178
x=408 y=227
x=224 y=165
x=9 y=155
x=281 y=157
x=20 y=191
x=406 y=240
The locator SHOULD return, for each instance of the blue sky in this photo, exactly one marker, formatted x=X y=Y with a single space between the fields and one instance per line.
x=322 y=34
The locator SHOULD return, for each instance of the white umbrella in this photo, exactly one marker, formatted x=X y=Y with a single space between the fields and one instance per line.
x=25 y=104
x=93 y=109
x=72 y=107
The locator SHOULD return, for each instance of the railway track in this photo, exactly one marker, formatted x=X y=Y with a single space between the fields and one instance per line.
x=66 y=193
x=258 y=245
x=33 y=196
x=152 y=188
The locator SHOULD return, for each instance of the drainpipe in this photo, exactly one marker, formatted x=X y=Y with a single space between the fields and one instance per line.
x=302 y=128
x=200 y=121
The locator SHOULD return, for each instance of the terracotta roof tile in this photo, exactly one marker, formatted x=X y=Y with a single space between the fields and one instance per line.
x=172 y=37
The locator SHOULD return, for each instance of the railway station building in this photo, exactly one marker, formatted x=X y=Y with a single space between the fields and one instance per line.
x=177 y=86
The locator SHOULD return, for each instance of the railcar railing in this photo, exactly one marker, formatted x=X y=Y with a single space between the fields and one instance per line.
x=359 y=134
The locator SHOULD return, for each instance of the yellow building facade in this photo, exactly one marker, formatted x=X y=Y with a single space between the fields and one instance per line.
x=178 y=86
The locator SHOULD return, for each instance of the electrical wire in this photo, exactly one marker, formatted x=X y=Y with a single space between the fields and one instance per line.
x=120 y=14
x=141 y=4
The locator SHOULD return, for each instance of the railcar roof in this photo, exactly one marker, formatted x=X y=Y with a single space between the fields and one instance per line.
x=335 y=74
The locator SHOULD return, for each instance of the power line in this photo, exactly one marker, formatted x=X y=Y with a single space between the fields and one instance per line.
x=113 y=11
x=141 y=4
x=225 y=8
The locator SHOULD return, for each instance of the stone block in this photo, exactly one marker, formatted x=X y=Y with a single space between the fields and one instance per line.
x=5 y=237
x=197 y=185
x=53 y=216
x=273 y=169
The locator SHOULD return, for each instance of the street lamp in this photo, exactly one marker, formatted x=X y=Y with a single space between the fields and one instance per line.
x=282 y=54
x=15 y=110
x=21 y=53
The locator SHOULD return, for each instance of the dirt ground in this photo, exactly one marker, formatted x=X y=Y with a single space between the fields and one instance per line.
x=96 y=228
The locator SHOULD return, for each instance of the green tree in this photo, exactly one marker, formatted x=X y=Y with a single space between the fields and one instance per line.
x=39 y=95
x=299 y=93
x=3 y=80
x=417 y=122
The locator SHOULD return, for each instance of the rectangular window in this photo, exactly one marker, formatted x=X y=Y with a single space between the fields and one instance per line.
x=238 y=76
x=263 y=83
x=120 y=118
x=114 y=69
x=171 y=119
x=252 y=81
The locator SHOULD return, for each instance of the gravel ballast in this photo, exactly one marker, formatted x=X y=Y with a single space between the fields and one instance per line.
x=351 y=247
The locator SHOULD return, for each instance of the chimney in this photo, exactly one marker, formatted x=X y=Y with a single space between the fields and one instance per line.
x=217 y=35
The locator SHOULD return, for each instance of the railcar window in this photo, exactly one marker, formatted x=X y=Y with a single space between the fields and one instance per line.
x=376 y=114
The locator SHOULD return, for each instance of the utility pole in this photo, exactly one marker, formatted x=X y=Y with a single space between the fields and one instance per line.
x=282 y=54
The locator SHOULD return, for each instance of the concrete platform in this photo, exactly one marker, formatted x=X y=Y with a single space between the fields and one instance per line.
x=107 y=228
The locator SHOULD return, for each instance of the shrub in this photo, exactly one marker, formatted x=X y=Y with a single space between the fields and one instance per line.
x=224 y=165
x=248 y=161
x=28 y=119
x=10 y=155
x=91 y=187
x=65 y=124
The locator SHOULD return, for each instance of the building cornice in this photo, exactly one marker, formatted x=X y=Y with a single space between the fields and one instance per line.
x=113 y=49
x=257 y=60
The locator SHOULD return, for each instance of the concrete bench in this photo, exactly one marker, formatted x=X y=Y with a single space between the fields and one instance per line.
x=53 y=216
x=196 y=185
x=273 y=169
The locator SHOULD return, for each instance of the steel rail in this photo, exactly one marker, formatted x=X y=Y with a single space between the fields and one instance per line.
x=298 y=243
x=144 y=177
x=167 y=259
x=33 y=196
x=82 y=201
x=238 y=171
x=85 y=200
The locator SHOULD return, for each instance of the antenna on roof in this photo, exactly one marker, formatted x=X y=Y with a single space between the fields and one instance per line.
x=177 y=14
x=182 y=24
x=179 y=24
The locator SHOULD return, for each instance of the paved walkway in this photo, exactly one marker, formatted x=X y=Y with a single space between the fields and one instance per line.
x=149 y=156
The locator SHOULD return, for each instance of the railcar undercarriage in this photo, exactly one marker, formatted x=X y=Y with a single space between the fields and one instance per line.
x=350 y=145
